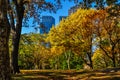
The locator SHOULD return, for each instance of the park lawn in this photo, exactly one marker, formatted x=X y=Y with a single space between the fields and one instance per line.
x=106 y=74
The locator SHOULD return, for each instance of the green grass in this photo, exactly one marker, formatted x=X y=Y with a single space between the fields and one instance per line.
x=109 y=74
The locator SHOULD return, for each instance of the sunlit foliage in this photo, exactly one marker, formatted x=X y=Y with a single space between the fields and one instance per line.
x=100 y=60
x=76 y=33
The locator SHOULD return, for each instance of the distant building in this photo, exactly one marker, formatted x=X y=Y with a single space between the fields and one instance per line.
x=46 y=23
x=62 y=17
x=74 y=9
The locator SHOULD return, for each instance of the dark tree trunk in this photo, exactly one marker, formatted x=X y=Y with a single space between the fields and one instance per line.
x=4 y=38
x=113 y=60
x=113 y=55
x=16 y=36
x=90 y=60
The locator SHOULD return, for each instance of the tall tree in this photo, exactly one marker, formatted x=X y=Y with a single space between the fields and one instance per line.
x=19 y=7
x=108 y=32
x=23 y=10
x=4 y=37
x=76 y=33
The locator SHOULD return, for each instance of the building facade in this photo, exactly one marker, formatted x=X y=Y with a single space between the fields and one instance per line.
x=46 y=23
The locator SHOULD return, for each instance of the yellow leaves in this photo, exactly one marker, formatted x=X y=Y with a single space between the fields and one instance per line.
x=75 y=30
x=98 y=53
x=57 y=50
x=42 y=53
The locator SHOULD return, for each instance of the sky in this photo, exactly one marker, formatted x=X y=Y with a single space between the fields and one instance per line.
x=61 y=12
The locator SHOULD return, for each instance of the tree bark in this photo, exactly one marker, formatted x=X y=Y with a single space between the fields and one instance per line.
x=113 y=60
x=68 y=56
x=16 y=36
x=90 y=60
x=4 y=38
x=15 y=53
x=68 y=61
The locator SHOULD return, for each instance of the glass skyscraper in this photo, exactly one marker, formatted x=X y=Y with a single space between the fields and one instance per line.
x=46 y=24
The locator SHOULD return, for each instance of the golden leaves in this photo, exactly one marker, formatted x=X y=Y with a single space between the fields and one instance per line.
x=57 y=50
x=76 y=32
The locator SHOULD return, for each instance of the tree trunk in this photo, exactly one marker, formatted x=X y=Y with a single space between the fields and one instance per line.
x=16 y=36
x=4 y=38
x=68 y=61
x=113 y=60
x=56 y=66
x=90 y=60
x=56 y=63
x=68 y=56
x=15 y=41
x=113 y=55
x=68 y=64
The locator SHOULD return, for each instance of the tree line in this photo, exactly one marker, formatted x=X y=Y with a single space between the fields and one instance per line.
x=87 y=37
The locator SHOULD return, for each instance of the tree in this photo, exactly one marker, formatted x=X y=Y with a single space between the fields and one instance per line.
x=25 y=58
x=101 y=4
x=56 y=51
x=4 y=37
x=21 y=10
x=108 y=33
x=17 y=31
x=76 y=33
x=33 y=52
x=100 y=60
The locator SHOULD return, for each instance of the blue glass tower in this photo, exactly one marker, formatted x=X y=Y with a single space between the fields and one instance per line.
x=46 y=24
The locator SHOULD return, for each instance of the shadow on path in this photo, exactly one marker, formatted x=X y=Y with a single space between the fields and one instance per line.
x=106 y=74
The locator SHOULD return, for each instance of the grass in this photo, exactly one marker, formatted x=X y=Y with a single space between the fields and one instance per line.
x=104 y=74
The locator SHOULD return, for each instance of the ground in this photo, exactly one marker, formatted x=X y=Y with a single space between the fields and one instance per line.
x=103 y=74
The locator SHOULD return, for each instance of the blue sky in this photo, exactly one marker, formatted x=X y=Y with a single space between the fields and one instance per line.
x=61 y=12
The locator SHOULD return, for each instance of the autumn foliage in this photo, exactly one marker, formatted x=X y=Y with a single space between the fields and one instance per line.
x=86 y=29
x=88 y=38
